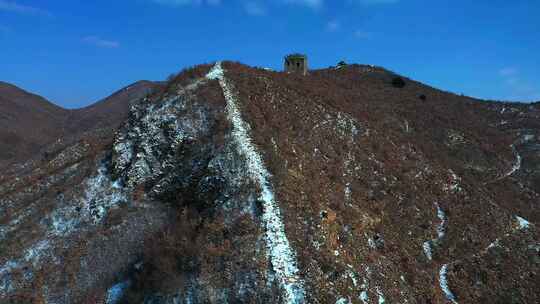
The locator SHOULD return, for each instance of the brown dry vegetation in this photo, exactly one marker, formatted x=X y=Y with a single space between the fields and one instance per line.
x=405 y=135
x=359 y=202
x=29 y=123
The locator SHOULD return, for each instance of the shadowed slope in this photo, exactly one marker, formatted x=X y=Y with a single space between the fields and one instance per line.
x=249 y=186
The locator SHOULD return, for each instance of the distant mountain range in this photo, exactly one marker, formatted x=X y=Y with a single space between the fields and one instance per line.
x=29 y=122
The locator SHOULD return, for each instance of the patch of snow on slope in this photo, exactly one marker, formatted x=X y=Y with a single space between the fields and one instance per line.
x=64 y=221
x=168 y=122
x=352 y=276
x=515 y=167
x=380 y=296
x=347 y=192
x=441 y=227
x=101 y=194
x=427 y=250
x=441 y=231
x=6 y=285
x=35 y=253
x=343 y=301
x=115 y=293
x=365 y=287
x=280 y=253
x=364 y=297
x=517 y=163
x=32 y=255
x=523 y=223
x=13 y=225
x=443 y=282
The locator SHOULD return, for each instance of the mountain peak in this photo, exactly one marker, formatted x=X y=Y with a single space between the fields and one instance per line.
x=238 y=184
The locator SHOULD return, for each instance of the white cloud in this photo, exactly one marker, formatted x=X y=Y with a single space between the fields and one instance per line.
x=187 y=2
x=97 y=41
x=375 y=2
x=333 y=26
x=313 y=4
x=254 y=8
x=251 y=7
x=12 y=6
x=361 y=34
x=520 y=90
x=508 y=71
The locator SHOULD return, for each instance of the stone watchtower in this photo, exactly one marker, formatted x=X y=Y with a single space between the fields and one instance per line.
x=296 y=63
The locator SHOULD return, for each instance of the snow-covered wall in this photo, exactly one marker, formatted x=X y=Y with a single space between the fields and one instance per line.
x=280 y=252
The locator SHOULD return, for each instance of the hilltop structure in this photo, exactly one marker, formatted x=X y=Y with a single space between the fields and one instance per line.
x=296 y=63
x=184 y=199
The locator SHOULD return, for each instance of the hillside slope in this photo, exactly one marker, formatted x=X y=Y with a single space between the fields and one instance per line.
x=111 y=111
x=29 y=122
x=241 y=185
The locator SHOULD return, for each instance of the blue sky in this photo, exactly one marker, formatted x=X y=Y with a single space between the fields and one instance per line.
x=76 y=52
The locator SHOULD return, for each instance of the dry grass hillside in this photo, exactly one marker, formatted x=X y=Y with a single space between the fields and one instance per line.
x=29 y=122
x=232 y=184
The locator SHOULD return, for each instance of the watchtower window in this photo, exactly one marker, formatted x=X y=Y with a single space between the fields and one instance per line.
x=298 y=64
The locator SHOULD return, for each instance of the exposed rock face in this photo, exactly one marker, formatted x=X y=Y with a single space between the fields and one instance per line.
x=238 y=185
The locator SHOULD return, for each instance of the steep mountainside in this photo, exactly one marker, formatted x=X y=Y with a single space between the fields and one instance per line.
x=241 y=185
x=29 y=122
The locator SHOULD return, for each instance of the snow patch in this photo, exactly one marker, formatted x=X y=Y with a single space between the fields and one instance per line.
x=64 y=221
x=380 y=296
x=343 y=301
x=427 y=250
x=101 y=194
x=347 y=192
x=115 y=293
x=441 y=227
x=443 y=282
x=365 y=287
x=371 y=243
x=528 y=137
x=523 y=223
x=13 y=225
x=364 y=297
x=494 y=244
x=441 y=232
x=517 y=163
x=35 y=253
x=353 y=277
x=281 y=255
x=6 y=285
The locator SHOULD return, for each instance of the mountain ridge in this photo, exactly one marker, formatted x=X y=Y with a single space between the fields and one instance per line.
x=31 y=122
x=241 y=185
